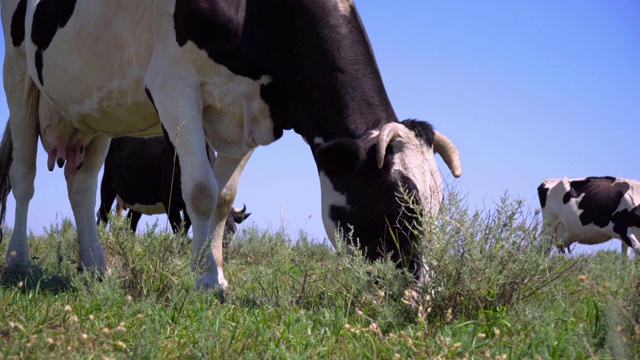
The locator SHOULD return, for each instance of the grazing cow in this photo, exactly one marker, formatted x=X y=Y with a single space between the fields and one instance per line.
x=235 y=216
x=144 y=175
x=233 y=74
x=591 y=211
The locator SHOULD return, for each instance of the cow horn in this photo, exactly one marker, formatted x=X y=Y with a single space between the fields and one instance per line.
x=238 y=211
x=443 y=146
x=387 y=134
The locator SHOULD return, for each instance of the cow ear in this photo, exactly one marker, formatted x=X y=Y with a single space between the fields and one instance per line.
x=339 y=157
x=239 y=218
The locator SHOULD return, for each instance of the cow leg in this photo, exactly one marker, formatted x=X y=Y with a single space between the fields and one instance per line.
x=133 y=217
x=175 y=220
x=561 y=234
x=200 y=192
x=107 y=196
x=549 y=231
x=635 y=245
x=181 y=115
x=23 y=121
x=625 y=249
x=187 y=222
x=227 y=171
x=171 y=196
x=82 y=186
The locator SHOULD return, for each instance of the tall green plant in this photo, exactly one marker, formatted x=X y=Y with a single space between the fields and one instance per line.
x=485 y=260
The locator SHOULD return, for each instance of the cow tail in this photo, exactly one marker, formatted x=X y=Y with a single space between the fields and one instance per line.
x=6 y=158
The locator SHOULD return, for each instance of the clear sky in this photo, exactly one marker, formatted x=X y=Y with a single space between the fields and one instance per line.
x=527 y=90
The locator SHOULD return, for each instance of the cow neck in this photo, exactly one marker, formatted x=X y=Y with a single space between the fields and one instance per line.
x=330 y=85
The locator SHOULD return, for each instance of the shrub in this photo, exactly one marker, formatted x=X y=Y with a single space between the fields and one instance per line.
x=484 y=261
x=153 y=264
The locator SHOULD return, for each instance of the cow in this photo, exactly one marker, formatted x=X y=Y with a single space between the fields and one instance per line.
x=235 y=216
x=143 y=173
x=592 y=210
x=233 y=74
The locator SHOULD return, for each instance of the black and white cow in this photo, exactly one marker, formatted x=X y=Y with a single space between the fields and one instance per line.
x=144 y=174
x=231 y=73
x=591 y=211
x=234 y=217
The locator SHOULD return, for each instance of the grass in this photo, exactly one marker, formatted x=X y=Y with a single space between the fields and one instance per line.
x=493 y=294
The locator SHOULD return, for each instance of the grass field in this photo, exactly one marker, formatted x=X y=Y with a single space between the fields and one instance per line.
x=493 y=294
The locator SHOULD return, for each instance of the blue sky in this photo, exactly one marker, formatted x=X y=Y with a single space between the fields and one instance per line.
x=527 y=90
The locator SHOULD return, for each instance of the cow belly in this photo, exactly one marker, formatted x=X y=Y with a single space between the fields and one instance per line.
x=134 y=121
x=96 y=78
x=153 y=209
x=591 y=235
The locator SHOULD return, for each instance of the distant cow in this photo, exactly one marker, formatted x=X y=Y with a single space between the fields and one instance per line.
x=235 y=216
x=591 y=211
x=140 y=172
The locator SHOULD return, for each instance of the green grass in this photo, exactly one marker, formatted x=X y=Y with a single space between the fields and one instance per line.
x=493 y=294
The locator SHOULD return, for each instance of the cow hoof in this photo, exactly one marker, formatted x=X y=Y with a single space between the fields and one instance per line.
x=224 y=285
x=15 y=269
x=14 y=275
x=206 y=285
x=98 y=274
x=17 y=260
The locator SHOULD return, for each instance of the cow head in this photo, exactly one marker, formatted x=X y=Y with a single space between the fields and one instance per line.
x=363 y=180
x=235 y=216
